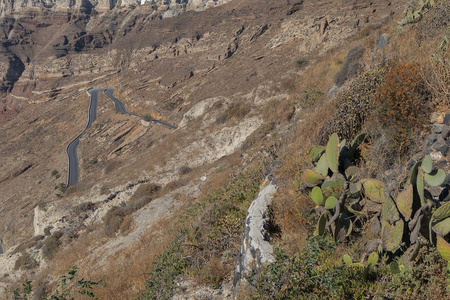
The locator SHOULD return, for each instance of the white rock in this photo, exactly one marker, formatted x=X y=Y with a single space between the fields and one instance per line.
x=435 y=156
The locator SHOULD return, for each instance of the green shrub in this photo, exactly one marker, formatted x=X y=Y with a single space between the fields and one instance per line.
x=66 y=287
x=208 y=230
x=310 y=96
x=168 y=265
x=299 y=277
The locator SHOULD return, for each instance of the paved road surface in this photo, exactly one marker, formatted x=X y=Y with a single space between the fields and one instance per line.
x=71 y=150
x=73 y=173
x=120 y=107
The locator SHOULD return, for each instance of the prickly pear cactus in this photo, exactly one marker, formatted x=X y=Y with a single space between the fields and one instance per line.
x=405 y=202
x=332 y=153
x=374 y=190
x=311 y=178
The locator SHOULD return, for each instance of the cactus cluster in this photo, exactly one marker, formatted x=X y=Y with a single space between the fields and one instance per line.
x=440 y=224
x=403 y=217
x=372 y=260
x=414 y=14
x=335 y=186
x=341 y=197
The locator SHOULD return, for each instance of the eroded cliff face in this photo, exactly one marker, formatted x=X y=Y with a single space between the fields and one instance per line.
x=168 y=7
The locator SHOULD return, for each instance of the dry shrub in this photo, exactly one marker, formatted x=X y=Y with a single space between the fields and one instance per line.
x=52 y=245
x=257 y=135
x=437 y=76
x=213 y=272
x=290 y=211
x=126 y=225
x=310 y=97
x=112 y=165
x=25 y=262
x=148 y=189
x=118 y=217
x=237 y=111
x=126 y=276
x=184 y=170
x=114 y=218
x=403 y=105
x=279 y=111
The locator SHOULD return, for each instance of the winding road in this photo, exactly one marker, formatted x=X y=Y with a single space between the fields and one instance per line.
x=71 y=150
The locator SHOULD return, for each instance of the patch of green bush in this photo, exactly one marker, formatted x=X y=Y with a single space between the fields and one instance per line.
x=310 y=96
x=161 y=281
x=208 y=230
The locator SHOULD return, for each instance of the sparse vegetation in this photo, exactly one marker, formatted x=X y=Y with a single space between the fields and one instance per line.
x=66 y=288
x=26 y=262
x=118 y=217
x=209 y=233
x=301 y=63
x=237 y=111
x=310 y=96
x=185 y=170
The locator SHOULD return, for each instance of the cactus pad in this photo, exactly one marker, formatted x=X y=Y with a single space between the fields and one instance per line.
x=322 y=166
x=420 y=186
x=316 y=152
x=392 y=235
x=374 y=190
x=330 y=203
x=347 y=259
x=373 y=259
x=442 y=212
x=405 y=202
x=427 y=164
x=357 y=141
x=332 y=153
x=311 y=178
x=414 y=170
x=355 y=190
x=333 y=188
x=442 y=228
x=352 y=173
x=390 y=212
x=321 y=225
x=443 y=248
x=436 y=177
x=316 y=196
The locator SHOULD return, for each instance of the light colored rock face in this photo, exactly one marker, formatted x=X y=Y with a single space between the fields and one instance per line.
x=10 y=6
x=256 y=250
x=171 y=8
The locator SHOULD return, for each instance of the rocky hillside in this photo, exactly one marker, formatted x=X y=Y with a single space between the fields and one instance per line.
x=241 y=80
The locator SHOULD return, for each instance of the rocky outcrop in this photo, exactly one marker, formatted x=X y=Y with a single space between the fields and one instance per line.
x=171 y=8
x=256 y=250
x=168 y=8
